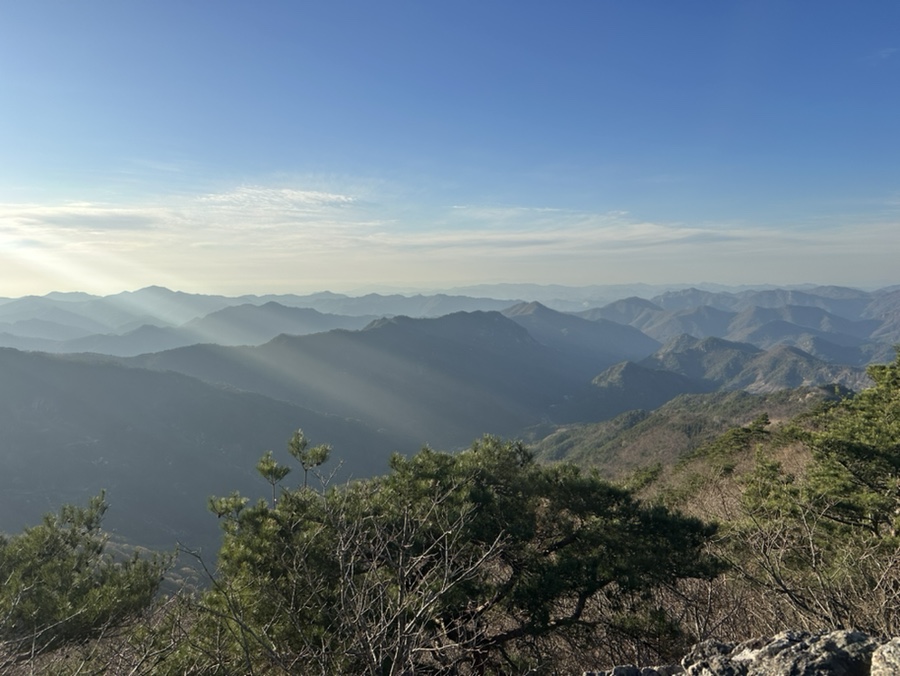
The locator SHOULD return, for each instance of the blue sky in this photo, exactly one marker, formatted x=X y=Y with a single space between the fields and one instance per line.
x=235 y=147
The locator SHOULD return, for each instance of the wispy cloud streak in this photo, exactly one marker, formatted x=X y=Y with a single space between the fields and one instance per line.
x=263 y=238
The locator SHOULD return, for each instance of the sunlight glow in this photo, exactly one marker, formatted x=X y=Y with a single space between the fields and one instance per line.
x=258 y=239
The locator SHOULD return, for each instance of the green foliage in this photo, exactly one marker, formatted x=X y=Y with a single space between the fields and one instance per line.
x=472 y=562
x=736 y=441
x=857 y=451
x=671 y=433
x=60 y=587
x=309 y=458
x=271 y=471
x=825 y=539
x=643 y=477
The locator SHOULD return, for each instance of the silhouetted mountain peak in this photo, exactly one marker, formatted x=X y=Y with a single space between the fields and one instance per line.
x=686 y=342
x=645 y=387
x=478 y=326
x=620 y=371
x=680 y=343
x=635 y=302
x=532 y=308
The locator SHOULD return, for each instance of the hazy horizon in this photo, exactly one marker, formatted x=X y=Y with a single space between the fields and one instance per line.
x=524 y=291
x=347 y=146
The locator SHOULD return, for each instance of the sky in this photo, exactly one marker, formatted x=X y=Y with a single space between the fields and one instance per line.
x=291 y=147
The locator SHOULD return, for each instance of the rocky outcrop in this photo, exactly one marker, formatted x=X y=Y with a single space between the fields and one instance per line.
x=838 y=653
x=886 y=659
x=841 y=653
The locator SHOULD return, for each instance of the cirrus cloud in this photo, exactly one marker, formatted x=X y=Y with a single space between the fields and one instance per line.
x=257 y=238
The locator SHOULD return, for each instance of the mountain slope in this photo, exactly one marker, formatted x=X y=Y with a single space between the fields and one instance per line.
x=713 y=360
x=250 y=324
x=739 y=366
x=703 y=321
x=159 y=443
x=640 y=439
x=625 y=387
x=245 y=324
x=807 y=317
x=440 y=381
x=594 y=345
x=631 y=311
x=418 y=305
x=688 y=365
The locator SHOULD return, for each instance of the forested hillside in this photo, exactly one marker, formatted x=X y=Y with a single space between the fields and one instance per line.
x=643 y=439
x=158 y=443
x=486 y=561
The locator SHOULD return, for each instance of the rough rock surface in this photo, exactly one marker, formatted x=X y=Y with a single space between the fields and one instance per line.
x=791 y=653
x=842 y=653
x=886 y=659
x=631 y=670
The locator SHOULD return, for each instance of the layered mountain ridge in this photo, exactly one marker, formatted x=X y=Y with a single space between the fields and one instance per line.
x=153 y=394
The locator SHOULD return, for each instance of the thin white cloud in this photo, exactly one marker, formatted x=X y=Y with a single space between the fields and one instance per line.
x=256 y=238
x=75 y=215
x=260 y=197
x=881 y=55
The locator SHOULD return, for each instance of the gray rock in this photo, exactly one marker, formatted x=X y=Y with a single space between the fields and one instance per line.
x=666 y=670
x=712 y=658
x=838 y=653
x=630 y=670
x=886 y=659
x=790 y=653
x=624 y=670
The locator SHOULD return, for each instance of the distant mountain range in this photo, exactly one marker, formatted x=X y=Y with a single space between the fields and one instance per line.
x=234 y=325
x=854 y=330
x=160 y=396
x=592 y=345
x=446 y=380
x=441 y=381
x=835 y=323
